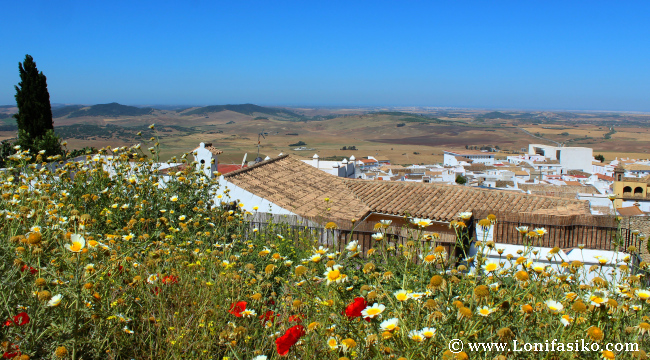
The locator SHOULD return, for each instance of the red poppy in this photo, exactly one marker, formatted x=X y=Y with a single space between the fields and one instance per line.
x=169 y=279
x=21 y=319
x=31 y=269
x=155 y=290
x=355 y=308
x=295 y=318
x=290 y=338
x=12 y=351
x=268 y=316
x=237 y=308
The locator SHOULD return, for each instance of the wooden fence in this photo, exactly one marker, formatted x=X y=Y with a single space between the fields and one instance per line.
x=566 y=232
x=338 y=239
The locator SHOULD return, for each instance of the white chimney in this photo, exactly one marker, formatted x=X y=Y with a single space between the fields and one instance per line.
x=316 y=162
x=345 y=161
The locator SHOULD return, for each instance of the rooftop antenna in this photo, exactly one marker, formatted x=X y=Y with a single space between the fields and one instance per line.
x=258 y=144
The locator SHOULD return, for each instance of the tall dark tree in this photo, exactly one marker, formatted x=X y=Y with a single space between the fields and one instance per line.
x=34 y=117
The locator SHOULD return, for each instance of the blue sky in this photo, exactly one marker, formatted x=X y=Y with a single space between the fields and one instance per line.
x=488 y=54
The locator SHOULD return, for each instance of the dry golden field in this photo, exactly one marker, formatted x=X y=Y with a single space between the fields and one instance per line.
x=373 y=131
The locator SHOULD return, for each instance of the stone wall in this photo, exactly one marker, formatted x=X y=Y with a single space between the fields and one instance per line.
x=641 y=223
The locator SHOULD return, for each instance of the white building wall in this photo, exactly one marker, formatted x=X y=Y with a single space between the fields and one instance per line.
x=249 y=199
x=589 y=257
x=449 y=160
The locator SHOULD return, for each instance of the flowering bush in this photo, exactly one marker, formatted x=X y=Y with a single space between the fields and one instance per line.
x=111 y=258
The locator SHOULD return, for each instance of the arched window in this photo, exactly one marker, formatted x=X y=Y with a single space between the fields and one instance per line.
x=638 y=190
x=619 y=177
x=627 y=190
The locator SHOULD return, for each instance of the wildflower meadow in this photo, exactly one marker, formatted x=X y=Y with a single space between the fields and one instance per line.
x=111 y=258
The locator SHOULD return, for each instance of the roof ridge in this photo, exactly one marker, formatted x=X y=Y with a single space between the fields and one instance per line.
x=261 y=163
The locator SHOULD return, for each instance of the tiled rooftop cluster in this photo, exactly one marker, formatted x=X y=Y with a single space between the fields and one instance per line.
x=296 y=186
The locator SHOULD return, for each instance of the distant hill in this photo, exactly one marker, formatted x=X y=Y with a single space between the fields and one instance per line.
x=110 y=110
x=495 y=115
x=411 y=117
x=246 y=109
x=65 y=110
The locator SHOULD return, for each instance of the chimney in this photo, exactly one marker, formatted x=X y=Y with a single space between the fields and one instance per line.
x=353 y=164
x=316 y=162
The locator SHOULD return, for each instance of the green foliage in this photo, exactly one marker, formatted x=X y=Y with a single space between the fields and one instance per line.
x=246 y=109
x=600 y=157
x=65 y=110
x=88 y=150
x=49 y=142
x=111 y=110
x=34 y=115
x=460 y=179
x=299 y=143
x=495 y=115
x=6 y=149
x=610 y=133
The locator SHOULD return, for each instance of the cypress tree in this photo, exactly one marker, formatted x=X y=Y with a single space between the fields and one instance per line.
x=34 y=117
x=34 y=110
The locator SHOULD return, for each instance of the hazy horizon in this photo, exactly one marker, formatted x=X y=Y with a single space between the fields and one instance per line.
x=551 y=56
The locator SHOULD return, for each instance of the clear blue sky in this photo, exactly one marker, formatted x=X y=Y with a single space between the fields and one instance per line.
x=490 y=54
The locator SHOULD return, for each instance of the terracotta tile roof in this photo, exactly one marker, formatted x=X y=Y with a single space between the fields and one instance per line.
x=468 y=152
x=444 y=202
x=547 y=162
x=605 y=177
x=291 y=184
x=630 y=211
x=556 y=190
x=521 y=173
x=174 y=168
x=368 y=161
x=301 y=188
x=572 y=183
x=578 y=173
x=637 y=167
x=465 y=159
x=228 y=168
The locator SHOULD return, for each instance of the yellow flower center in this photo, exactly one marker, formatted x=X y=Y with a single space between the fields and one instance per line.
x=334 y=275
x=374 y=311
x=401 y=297
x=76 y=246
x=429 y=258
x=491 y=267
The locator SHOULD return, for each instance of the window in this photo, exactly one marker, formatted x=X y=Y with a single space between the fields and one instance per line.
x=627 y=190
x=638 y=190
